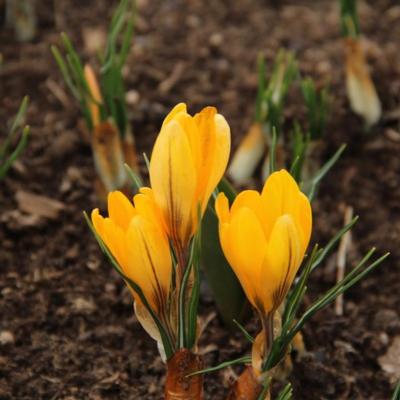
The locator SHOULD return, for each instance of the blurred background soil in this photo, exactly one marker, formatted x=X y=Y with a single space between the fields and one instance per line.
x=67 y=328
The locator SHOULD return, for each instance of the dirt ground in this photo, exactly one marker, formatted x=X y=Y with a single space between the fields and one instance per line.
x=67 y=329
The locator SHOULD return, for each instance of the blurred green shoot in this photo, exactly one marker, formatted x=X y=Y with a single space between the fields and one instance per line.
x=20 y=14
x=317 y=103
x=396 y=393
x=300 y=142
x=270 y=102
x=7 y=154
x=286 y=393
x=271 y=97
x=349 y=22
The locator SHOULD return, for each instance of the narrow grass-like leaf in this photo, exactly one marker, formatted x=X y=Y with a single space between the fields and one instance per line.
x=396 y=393
x=240 y=360
x=265 y=389
x=243 y=330
x=281 y=343
x=4 y=167
x=194 y=299
x=323 y=171
x=17 y=122
x=135 y=178
x=349 y=22
x=286 y=393
x=147 y=162
x=331 y=244
x=272 y=152
x=260 y=88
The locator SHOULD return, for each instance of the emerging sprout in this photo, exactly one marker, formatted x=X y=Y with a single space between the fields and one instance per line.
x=317 y=103
x=8 y=153
x=20 y=14
x=103 y=104
x=360 y=88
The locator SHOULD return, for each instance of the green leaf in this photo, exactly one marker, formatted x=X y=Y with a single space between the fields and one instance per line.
x=243 y=330
x=17 y=122
x=317 y=103
x=286 y=393
x=265 y=389
x=194 y=299
x=272 y=152
x=349 y=22
x=323 y=171
x=134 y=177
x=4 y=167
x=240 y=360
x=281 y=343
x=396 y=393
x=260 y=88
x=331 y=244
x=300 y=142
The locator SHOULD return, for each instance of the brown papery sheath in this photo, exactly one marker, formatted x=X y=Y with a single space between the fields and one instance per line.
x=178 y=385
x=246 y=387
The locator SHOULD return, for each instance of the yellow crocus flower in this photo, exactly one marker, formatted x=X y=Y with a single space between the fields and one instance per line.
x=138 y=243
x=264 y=238
x=188 y=160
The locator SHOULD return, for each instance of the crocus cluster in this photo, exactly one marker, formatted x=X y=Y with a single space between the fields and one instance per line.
x=264 y=235
x=151 y=238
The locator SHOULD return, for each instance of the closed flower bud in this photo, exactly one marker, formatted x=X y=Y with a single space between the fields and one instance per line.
x=135 y=237
x=264 y=237
x=188 y=160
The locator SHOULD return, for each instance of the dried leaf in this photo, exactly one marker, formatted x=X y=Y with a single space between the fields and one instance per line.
x=390 y=362
x=37 y=205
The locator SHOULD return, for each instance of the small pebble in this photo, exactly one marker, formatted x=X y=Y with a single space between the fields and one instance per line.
x=6 y=337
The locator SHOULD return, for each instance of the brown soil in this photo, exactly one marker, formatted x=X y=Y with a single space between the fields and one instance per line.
x=67 y=324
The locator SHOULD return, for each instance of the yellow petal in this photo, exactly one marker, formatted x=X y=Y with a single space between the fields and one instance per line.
x=221 y=151
x=173 y=179
x=120 y=209
x=281 y=196
x=146 y=206
x=214 y=142
x=149 y=260
x=222 y=208
x=246 y=250
x=97 y=221
x=282 y=260
x=252 y=200
x=304 y=218
x=179 y=108
x=112 y=236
